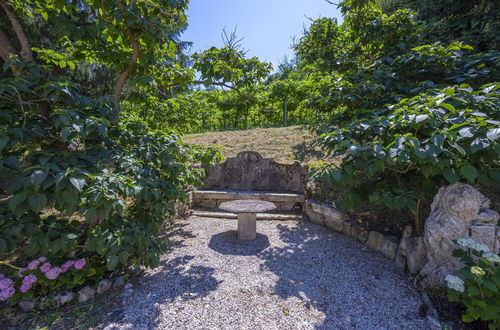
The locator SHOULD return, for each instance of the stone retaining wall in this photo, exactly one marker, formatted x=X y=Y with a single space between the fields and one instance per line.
x=458 y=211
x=325 y=215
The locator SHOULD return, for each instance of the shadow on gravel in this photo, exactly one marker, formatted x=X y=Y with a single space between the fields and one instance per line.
x=177 y=279
x=229 y=244
x=338 y=277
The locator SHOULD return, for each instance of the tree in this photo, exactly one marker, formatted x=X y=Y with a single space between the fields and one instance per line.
x=73 y=152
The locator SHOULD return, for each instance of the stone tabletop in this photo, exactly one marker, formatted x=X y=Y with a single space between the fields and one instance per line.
x=247 y=206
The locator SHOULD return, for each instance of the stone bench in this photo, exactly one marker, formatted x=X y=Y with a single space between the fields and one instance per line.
x=212 y=199
x=251 y=176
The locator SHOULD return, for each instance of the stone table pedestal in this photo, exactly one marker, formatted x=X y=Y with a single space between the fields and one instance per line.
x=247 y=215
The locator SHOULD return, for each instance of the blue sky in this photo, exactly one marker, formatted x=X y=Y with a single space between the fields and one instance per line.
x=267 y=26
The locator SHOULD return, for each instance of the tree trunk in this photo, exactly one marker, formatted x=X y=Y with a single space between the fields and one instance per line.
x=26 y=52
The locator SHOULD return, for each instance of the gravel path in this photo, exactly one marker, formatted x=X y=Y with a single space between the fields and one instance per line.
x=296 y=275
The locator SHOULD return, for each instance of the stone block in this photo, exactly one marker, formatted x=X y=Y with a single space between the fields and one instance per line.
x=359 y=233
x=27 y=305
x=103 y=286
x=316 y=218
x=484 y=233
x=411 y=255
x=487 y=215
x=346 y=228
x=334 y=223
x=66 y=298
x=327 y=211
x=207 y=203
x=119 y=282
x=285 y=206
x=86 y=294
x=374 y=240
x=387 y=245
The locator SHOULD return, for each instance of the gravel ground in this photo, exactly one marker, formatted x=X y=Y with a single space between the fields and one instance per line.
x=295 y=275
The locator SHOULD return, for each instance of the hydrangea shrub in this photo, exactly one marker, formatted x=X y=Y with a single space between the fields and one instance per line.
x=477 y=284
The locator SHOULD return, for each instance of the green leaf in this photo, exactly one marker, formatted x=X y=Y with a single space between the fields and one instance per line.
x=16 y=200
x=336 y=175
x=449 y=91
x=66 y=132
x=38 y=176
x=492 y=134
x=78 y=183
x=12 y=162
x=479 y=144
x=468 y=318
x=71 y=236
x=450 y=175
x=448 y=107
x=111 y=263
x=37 y=202
x=469 y=172
x=3 y=141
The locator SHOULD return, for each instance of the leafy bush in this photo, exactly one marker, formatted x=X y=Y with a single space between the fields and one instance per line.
x=83 y=177
x=477 y=284
x=400 y=156
x=118 y=183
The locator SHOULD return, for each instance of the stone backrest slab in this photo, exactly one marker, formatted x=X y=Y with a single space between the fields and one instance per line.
x=250 y=171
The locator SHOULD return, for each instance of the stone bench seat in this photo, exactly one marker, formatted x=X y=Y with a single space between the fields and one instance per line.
x=213 y=198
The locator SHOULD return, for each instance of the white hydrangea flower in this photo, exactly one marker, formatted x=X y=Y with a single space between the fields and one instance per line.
x=492 y=257
x=468 y=242
x=455 y=283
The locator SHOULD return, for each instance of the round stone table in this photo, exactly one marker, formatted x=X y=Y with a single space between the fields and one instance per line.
x=247 y=215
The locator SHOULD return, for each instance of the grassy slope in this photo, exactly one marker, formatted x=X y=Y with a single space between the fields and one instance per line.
x=284 y=144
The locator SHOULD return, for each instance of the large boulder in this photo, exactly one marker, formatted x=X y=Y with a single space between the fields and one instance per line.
x=457 y=211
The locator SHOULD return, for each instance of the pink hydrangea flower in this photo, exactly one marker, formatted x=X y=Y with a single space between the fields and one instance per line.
x=28 y=283
x=6 y=283
x=2 y=277
x=67 y=265
x=34 y=264
x=25 y=287
x=53 y=273
x=45 y=267
x=30 y=279
x=80 y=263
x=7 y=293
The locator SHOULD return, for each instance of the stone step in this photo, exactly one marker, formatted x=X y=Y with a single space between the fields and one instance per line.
x=260 y=216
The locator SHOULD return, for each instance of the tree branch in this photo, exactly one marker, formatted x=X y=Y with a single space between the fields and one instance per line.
x=26 y=52
x=203 y=82
x=122 y=79
x=134 y=41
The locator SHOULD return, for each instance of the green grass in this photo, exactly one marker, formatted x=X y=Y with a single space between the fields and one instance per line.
x=283 y=144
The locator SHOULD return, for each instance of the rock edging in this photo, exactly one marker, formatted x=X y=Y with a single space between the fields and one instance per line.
x=83 y=295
